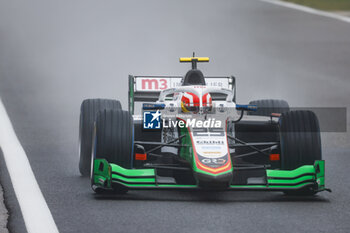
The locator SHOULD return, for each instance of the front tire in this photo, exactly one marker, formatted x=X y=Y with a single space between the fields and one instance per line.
x=115 y=137
x=88 y=113
x=114 y=140
x=300 y=143
x=300 y=139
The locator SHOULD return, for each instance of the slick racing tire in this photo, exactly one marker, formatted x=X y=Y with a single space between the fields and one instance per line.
x=300 y=142
x=268 y=106
x=88 y=113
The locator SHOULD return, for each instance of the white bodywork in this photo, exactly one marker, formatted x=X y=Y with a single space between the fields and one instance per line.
x=210 y=143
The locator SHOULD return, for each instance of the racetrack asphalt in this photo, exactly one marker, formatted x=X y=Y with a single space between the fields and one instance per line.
x=54 y=54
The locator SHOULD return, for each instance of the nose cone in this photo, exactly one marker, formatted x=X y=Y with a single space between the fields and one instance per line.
x=208 y=181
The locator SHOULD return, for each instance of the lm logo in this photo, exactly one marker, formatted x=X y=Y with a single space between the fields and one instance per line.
x=151 y=119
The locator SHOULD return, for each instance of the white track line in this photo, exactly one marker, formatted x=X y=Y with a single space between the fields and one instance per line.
x=36 y=213
x=309 y=10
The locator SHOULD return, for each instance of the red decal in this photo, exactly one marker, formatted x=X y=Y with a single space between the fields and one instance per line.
x=152 y=84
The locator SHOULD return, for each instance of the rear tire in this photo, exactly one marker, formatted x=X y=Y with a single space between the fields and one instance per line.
x=268 y=106
x=300 y=142
x=88 y=113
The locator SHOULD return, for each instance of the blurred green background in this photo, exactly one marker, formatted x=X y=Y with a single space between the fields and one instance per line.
x=329 y=5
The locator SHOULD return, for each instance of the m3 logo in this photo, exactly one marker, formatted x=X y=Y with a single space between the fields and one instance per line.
x=154 y=84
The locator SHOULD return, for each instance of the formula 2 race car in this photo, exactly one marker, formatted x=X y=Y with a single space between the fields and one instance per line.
x=191 y=134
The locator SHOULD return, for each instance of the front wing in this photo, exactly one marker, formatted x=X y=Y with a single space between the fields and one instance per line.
x=106 y=175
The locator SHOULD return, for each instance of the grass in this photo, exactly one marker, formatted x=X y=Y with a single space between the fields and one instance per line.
x=327 y=5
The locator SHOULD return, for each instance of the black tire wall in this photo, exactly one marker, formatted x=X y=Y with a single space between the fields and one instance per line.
x=88 y=113
x=115 y=137
x=300 y=139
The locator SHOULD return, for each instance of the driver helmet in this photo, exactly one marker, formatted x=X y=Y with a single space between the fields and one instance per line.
x=190 y=102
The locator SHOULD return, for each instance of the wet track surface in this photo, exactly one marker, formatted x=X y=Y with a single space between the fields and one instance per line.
x=53 y=55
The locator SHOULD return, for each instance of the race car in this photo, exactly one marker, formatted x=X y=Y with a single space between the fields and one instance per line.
x=191 y=134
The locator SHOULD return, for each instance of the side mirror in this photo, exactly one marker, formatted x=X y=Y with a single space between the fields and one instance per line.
x=247 y=107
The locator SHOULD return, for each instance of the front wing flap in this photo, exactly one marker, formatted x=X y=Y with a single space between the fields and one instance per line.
x=105 y=175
